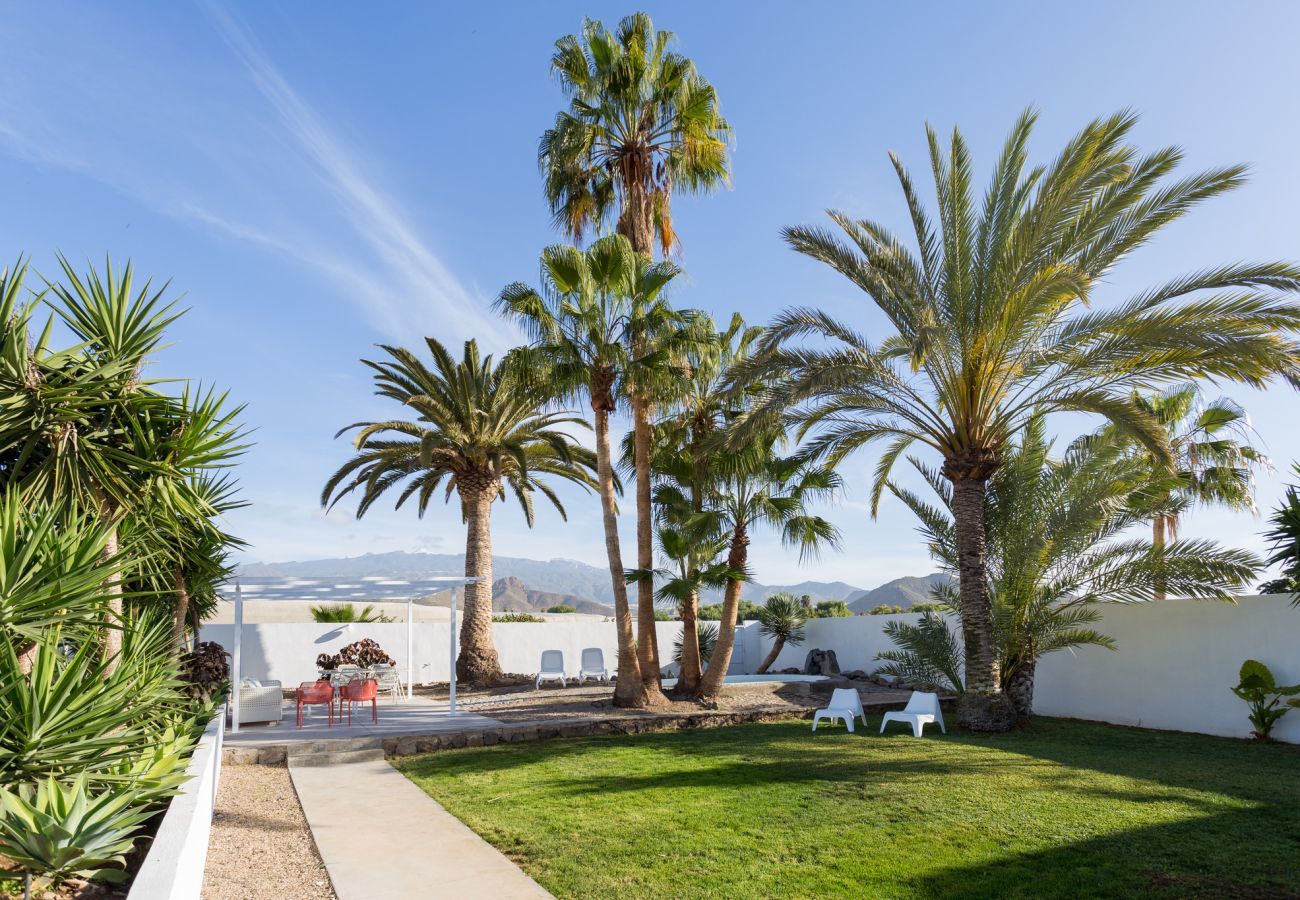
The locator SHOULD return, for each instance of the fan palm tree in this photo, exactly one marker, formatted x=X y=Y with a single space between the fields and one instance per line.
x=1213 y=461
x=479 y=428
x=759 y=487
x=782 y=619
x=1055 y=550
x=987 y=328
x=582 y=323
x=641 y=125
x=684 y=442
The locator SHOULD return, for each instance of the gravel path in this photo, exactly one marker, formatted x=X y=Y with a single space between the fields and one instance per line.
x=261 y=848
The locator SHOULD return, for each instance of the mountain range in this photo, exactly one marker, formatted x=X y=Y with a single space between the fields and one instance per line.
x=526 y=585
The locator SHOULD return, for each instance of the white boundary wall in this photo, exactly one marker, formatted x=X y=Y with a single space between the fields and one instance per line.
x=173 y=868
x=1175 y=663
x=287 y=652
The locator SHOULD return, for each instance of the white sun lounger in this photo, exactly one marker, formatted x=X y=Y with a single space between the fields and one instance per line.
x=845 y=704
x=922 y=708
x=593 y=665
x=552 y=668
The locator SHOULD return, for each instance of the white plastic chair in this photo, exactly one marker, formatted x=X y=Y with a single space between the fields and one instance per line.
x=845 y=704
x=389 y=681
x=593 y=665
x=922 y=708
x=552 y=668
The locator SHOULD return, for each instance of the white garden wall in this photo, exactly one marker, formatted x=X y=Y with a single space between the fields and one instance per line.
x=287 y=652
x=1175 y=663
x=173 y=868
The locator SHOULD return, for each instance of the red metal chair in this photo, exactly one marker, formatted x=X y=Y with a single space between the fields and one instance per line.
x=311 y=693
x=359 y=690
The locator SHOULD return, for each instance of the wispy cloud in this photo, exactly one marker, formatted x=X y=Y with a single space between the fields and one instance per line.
x=374 y=217
x=264 y=167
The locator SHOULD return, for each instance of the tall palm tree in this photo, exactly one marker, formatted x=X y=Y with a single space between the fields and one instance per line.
x=987 y=328
x=1213 y=461
x=1056 y=549
x=582 y=322
x=479 y=428
x=641 y=125
x=759 y=487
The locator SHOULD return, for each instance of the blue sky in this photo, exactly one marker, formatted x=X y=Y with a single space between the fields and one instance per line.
x=316 y=178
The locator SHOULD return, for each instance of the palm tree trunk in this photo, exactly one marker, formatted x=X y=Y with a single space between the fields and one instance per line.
x=1020 y=690
x=113 y=595
x=688 y=680
x=777 y=646
x=629 y=692
x=648 y=643
x=477 y=662
x=982 y=707
x=720 y=659
x=26 y=657
x=1158 y=530
x=181 y=613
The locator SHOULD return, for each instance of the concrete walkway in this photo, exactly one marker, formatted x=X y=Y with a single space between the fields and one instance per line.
x=382 y=838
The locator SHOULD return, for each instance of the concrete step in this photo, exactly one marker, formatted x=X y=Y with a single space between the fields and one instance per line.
x=334 y=758
x=334 y=745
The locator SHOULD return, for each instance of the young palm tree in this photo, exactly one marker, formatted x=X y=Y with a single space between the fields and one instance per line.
x=684 y=443
x=1056 y=549
x=782 y=619
x=641 y=125
x=582 y=323
x=479 y=428
x=758 y=487
x=1284 y=542
x=987 y=328
x=1213 y=461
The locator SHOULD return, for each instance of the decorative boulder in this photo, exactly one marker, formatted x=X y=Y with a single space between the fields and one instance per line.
x=821 y=662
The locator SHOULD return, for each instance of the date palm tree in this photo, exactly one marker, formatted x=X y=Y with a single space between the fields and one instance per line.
x=1214 y=463
x=582 y=322
x=641 y=125
x=987 y=328
x=479 y=428
x=1056 y=550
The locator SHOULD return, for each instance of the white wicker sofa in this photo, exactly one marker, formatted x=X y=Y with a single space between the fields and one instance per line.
x=260 y=701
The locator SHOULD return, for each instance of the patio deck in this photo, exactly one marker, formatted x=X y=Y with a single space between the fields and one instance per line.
x=419 y=715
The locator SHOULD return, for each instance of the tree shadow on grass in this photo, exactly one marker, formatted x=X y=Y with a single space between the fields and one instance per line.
x=1235 y=854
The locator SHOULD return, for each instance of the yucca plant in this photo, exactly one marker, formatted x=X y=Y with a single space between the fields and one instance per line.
x=75 y=713
x=72 y=830
x=706 y=636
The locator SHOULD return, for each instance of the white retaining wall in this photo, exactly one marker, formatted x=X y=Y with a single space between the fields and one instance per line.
x=173 y=868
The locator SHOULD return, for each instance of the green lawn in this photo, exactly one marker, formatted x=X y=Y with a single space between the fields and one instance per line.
x=1061 y=809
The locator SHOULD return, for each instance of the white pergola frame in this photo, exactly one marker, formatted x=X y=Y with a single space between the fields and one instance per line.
x=372 y=589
